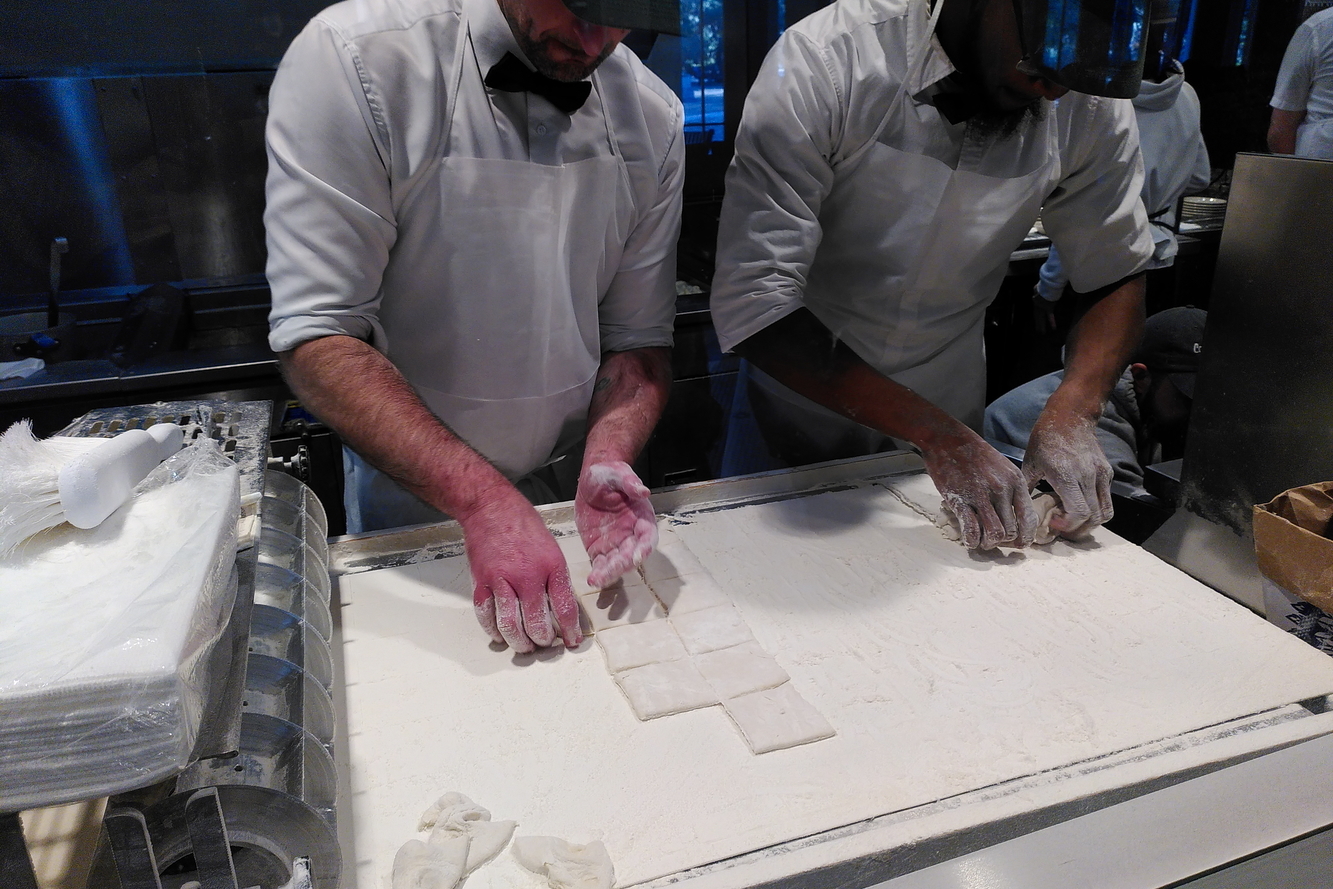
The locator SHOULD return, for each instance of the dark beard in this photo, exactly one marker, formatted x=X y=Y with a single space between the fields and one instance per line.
x=568 y=72
x=994 y=123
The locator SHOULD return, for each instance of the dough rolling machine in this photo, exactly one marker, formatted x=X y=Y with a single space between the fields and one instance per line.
x=255 y=803
x=1083 y=716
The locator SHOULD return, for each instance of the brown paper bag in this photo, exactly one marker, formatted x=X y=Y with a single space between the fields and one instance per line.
x=1291 y=540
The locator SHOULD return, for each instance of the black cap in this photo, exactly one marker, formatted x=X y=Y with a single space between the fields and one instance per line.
x=1173 y=345
x=1089 y=46
x=662 y=16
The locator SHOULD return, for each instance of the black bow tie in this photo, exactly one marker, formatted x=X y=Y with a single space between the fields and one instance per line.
x=512 y=76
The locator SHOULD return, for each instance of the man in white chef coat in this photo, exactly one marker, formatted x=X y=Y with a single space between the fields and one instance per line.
x=1302 y=121
x=891 y=156
x=473 y=269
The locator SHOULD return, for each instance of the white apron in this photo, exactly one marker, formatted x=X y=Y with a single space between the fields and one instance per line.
x=907 y=289
x=498 y=333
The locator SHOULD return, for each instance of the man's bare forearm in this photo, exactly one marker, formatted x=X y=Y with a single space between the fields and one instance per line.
x=628 y=398
x=802 y=354
x=1099 y=349
x=1282 y=130
x=362 y=396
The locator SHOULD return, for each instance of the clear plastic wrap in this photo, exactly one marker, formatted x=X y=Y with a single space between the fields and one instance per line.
x=105 y=635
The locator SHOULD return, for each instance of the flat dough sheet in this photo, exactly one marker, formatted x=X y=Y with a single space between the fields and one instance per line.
x=941 y=671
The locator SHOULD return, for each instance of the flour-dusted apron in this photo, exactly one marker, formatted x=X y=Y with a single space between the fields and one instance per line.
x=913 y=251
x=498 y=330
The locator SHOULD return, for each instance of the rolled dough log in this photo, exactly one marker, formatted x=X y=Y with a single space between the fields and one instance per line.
x=662 y=689
x=740 y=670
x=566 y=865
x=711 y=628
x=635 y=645
x=776 y=719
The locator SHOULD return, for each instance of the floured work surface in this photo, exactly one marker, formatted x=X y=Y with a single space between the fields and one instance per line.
x=942 y=672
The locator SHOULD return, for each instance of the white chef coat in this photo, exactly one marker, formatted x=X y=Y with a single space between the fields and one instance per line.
x=821 y=99
x=1305 y=83
x=1175 y=163
x=386 y=150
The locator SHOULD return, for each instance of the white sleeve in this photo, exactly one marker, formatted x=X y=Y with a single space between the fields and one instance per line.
x=769 y=227
x=1294 y=78
x=1095 y=216
x=639 y=308
x=328 y=218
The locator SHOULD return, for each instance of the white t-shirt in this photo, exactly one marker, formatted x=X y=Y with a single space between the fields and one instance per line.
x=1305 y=80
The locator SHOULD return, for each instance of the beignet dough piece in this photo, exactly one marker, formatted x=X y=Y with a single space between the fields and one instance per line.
x=777 y=718
x=662 y=689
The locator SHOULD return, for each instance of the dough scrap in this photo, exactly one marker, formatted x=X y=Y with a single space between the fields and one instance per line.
x=740 y=670
x=566 y=865
x=433 y=865
x=662 y=689
x=688 y=592
x=455 y=815
x=627 y=601
x=776 y=719
x=636 y=645
x=712 y=628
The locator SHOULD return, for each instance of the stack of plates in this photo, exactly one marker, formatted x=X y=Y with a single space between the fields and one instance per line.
x=1203 y=211
x=104 y=637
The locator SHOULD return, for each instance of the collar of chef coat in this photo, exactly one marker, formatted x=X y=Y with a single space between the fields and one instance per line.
x=491 y=34
x=924 y=81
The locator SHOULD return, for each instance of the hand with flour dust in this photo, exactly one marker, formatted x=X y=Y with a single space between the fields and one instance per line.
x=982 y=491
x=521 y=590
x=1063 y=450
x=615 y=520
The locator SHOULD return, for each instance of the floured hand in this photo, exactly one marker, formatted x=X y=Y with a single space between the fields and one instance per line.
x=982 y=491
x=521 y=589
x=615 y=520
x=1064 y=451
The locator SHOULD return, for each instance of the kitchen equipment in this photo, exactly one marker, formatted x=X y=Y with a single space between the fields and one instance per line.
x=976 y=697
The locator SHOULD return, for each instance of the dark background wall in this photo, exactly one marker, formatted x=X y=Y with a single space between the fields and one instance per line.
x=135 y=130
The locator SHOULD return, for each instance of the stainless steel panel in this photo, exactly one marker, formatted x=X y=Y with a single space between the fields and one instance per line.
x=1263 y=405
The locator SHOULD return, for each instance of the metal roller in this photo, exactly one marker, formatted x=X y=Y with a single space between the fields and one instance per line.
x=265 y=830
x=280 y=588
x=285 y=635
x=279 y=688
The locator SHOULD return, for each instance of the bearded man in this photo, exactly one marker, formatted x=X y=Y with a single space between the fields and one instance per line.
x=891 y=156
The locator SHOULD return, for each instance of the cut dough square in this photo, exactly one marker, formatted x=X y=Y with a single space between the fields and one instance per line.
x=671 y=558
x=621 y=603
x=711 y=628
x=740 y=670
x=777 y=718
x=634 y=645
x=578 y=577
x=572 y=548
x=690 y=592
x=662 y=689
